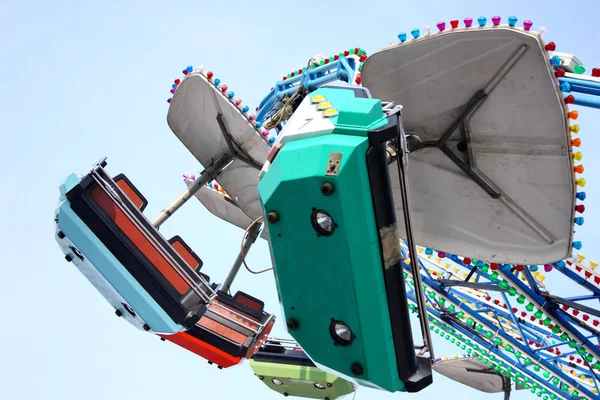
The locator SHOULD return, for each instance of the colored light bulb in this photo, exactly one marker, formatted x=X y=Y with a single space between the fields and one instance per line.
x=169 y=100
x=415 y=33
x=579 y=69
x=174 y=86
x=496 y=20
x=579 y=221
x=596 y=72
x=512 y=21
x=527 y=24
x=577 y=245
x=172 y=91
x=580 y=182
x=217 y=81
x=482 y=21
x=209 y=75
x=223 y=88
x=258 y=124
x=265 y=133
x=547 y=267
x=576 y=142
x=271 y=140
x=402 y=37
x=550 y=46
x=362 y=58
x=468 y=22
x=189 y=68
x=580 y=208
x=441 y=26
x=559 y=73
x=573 y=114
x=230 y=95
x=570 y=99
x=578 y=169
x=577 y=156
x=574 y=128
x=252 y=117
x=238 y=102
x=454 y=23
x=555 y=60
x=565 y=87
x=245 y=109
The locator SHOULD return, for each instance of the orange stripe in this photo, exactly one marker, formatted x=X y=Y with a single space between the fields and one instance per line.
x=138 y=239
x=130 y=193
x=187 y=257
x=203 y=349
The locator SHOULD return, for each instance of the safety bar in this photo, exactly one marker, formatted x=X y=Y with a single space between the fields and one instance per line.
x=108 y=185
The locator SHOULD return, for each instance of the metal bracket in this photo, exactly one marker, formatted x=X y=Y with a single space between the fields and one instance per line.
x=462 y=122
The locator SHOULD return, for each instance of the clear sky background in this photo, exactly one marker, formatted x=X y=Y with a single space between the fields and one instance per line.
x=86 y=79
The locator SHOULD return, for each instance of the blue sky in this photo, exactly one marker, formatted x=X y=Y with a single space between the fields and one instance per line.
x=84 y=80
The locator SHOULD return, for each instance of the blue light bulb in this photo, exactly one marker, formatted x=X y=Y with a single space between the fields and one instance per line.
x=245 y=109
x=230 y=95
x=565 y=87
x=217 y=81
x=560 y=264
x=174 y=86
x=402 y=37
x=416 y=33
x=271 y=140
x=555 y=60
x=579 y=221
x=581 y=196
x=577 y=245
x=258 y=124
x=190 y=68
x=482 y=21
x=533 y=268
x=512 y=21
x=480 y=264
x=428 y=252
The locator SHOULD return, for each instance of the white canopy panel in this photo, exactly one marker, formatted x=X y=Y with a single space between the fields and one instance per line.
x=471 y=372
x=193 y=118
x=516 y=139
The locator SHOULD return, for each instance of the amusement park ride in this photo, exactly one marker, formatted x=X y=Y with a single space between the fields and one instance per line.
x=354 y=169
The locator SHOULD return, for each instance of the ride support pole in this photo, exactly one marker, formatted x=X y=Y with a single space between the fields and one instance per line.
x=206 y=176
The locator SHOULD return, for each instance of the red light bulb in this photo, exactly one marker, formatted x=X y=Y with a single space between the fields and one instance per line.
x=209 y=75
x=362 y=58
x=177 y=81
x=559 y=73
x=578 y=169
x=551 y=46
x=454 y=23
x=327 y=61
x=494 y=266
x=520 y=267
x=575 y=312
x=299 y=71
x=570 y=99
x=576 y=142
x=441 y=254
x=346 y=53
x=580 y=208
x=358 y=79
x=596 y=72
x=467 y=261
x=586 y=317
x=284 y=78
x=336 y=57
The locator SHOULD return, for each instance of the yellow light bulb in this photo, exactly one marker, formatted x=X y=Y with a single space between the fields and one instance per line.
x=580 y=257
x=593 y=264
x=580 y=182
x=577 y=156
x=574 y=128
x=318 y=99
